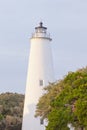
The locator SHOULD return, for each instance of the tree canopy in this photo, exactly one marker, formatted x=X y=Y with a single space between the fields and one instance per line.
x=65 y=102
x=11 y=111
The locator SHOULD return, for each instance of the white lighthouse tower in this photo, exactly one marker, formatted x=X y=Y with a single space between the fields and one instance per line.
x=40 y=73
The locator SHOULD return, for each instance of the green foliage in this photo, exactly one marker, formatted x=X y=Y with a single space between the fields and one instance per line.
x=44 y=106
x=11 y=111
x=1 y=117
x=67 y=100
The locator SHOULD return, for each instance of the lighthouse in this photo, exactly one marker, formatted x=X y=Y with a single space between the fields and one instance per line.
x=40 y=73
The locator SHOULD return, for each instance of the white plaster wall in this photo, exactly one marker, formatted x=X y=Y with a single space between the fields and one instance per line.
x=40 y=68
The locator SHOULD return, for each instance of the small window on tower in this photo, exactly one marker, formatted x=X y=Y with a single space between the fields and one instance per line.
x=41 y=82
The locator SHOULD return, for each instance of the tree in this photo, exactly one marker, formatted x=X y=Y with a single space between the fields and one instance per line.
x=67 y=100
x=11 y=111
x=44 y=106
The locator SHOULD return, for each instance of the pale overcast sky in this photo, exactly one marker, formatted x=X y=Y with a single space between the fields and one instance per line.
x=67 y=23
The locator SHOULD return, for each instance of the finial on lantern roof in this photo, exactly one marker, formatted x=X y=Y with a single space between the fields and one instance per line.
x=41 y=26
